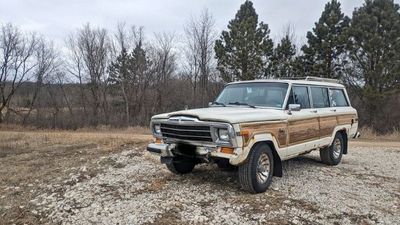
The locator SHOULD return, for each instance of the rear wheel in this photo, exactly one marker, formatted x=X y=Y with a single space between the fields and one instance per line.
x=332 y=155
x=255 y=175
x=180 y=167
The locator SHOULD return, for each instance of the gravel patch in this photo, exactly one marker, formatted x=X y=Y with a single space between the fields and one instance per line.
x=134 y=188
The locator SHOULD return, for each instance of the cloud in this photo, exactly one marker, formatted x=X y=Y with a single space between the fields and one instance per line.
x=55 y=19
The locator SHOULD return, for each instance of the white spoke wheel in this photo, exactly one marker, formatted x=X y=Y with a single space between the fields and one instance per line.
x=337 y=148
x=263 y=168
x=332 y=155
x=256 y=174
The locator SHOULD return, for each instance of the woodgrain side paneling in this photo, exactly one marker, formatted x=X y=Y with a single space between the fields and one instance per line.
x=327 y=125
x=346 y=119
x=277 y=130
x=303 y=130
x=298 y=131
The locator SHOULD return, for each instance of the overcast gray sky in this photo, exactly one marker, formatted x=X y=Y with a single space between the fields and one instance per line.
x=57 y=18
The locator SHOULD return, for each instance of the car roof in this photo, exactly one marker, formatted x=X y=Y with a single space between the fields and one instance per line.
x=301 y=82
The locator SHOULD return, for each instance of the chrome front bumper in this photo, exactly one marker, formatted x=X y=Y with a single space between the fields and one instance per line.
x=164 y=150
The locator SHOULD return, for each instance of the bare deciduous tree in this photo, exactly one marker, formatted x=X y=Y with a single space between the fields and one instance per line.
x=45 y=57
x=16 y=62
x=92 y=48
x=200 y=38
x=164 y=66
x=74 y=65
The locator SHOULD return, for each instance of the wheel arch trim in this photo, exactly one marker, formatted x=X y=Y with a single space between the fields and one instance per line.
x=260 y=137
x=267 y=139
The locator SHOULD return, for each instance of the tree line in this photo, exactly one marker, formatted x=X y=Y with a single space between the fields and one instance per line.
x=122 y=77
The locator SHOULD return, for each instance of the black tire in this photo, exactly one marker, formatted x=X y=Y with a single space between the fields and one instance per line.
x=332 y=155
x=248 y=172
x=224 y=164
x=181 y=167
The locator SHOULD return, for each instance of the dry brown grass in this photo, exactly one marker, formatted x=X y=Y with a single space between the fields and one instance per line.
x=31 y=159
x=369 y=135
x=100 y=128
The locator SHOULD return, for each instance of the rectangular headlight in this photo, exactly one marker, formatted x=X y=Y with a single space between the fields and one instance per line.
x=157 y=129
x=223 y=134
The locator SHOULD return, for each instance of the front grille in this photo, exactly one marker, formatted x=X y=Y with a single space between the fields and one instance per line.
x=186 y=132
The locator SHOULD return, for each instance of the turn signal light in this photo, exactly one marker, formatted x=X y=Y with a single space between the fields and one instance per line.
x=245 y=135
x=227 y=150
x=158 y=141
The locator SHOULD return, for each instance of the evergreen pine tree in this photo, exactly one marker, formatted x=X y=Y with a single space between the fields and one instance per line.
x=129 y=72
x=283 y=59
x=119 y=69
x=325 y=46
x=139 y=63
x=374 y=50
x=121 y=75
x=244 y=50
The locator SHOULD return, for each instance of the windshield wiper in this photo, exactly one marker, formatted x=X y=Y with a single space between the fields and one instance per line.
x=218 y=103
x=241 y=103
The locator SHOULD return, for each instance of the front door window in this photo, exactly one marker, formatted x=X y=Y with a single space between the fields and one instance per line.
x=299 y=95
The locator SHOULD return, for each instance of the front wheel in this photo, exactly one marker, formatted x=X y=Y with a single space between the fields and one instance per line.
x=180 y=167
x=332 y=155
x=255 y=175
x=224 y=164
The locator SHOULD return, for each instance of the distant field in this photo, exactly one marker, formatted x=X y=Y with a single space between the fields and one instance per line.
x=106 y=176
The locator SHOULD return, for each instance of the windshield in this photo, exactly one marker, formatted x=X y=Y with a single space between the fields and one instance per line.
x=254 y=94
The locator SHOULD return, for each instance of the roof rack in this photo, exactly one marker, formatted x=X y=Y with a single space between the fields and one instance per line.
x=330 y=80
x=311 y=78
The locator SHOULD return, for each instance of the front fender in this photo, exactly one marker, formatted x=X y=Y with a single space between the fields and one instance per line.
x=261 y=137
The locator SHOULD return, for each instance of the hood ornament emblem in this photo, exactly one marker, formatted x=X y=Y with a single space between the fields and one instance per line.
x=181 y=119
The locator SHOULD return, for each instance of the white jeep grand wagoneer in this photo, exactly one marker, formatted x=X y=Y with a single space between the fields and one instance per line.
x=255 y=125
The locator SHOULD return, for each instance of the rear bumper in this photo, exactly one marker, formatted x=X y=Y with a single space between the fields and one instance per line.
x=357 y=134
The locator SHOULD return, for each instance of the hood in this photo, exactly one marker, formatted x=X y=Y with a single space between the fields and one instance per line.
x=229 y=114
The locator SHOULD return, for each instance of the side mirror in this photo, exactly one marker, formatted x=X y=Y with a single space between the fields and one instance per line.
x=294 y=107
x=210 y=103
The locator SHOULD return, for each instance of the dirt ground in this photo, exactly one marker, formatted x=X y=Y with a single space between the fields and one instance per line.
x=87 y=177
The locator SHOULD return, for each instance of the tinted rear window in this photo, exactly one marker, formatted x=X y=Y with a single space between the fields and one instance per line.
x=338 y=99
x=320 y=97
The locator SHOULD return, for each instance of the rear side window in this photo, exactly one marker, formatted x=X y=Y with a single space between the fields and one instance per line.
x=320 y=97
x=338 y=99
x=299 y=95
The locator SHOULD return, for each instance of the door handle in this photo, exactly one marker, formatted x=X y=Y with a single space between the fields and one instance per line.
x=333 y=110
x=313 y=111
